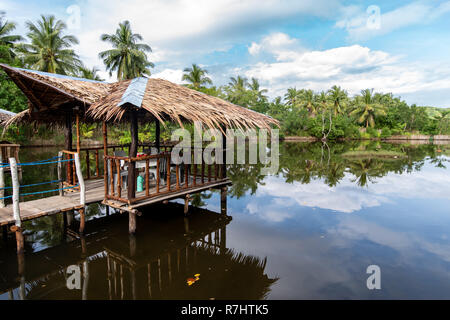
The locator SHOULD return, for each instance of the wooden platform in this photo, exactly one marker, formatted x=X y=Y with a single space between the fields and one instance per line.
x=94 y=193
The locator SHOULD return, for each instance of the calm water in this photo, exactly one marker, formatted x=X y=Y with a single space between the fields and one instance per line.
x=310 y=231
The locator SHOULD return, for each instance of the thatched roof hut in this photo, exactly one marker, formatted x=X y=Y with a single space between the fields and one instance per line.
x=51 y=95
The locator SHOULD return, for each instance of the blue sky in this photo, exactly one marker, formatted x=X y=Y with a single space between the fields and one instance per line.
x=392 y=46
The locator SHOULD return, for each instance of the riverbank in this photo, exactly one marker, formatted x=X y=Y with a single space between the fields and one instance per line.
x=402 y=138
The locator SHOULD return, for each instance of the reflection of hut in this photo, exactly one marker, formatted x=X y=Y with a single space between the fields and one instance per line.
x=155 y=264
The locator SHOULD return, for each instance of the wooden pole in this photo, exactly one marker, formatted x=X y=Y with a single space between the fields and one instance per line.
x=82 y=192
x=132 y=153
x=105 y=153
x=78 y=132
x=157 y=135
x=186 y=204
x=68 y=144
x=132 y=222
x=224 y=154
x=61 y=185
x=2 y=182
x=223 y=200
x=17 y=228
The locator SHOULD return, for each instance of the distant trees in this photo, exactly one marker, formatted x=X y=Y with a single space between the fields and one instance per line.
x=367 y=109
x=7 y=40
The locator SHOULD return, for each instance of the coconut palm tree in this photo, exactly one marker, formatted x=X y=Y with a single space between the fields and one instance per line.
x=86 y=73
x=254 y=86
x=128 y=57
x=7 y=40
x=338 y=98
x=50 y=50
x=308 y=100
x=196 y=76
x=291 y=97
x=367 y=109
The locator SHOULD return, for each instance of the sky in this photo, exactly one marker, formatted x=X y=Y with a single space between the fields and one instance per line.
x=400 y=47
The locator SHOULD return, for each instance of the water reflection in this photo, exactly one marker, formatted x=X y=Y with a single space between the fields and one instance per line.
x=154 y=264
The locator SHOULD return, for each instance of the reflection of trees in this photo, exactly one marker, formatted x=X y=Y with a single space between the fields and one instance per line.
x=366 y=170
x=245 y=177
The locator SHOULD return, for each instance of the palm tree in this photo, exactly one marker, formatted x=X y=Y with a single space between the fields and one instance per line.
x=128 y=57
x=238 y=84
x=367 y=109
x=308 y=100
x=49 y=49
x=338 y=97
x=7 y=40
x=196 y=76
x=291 y=96
x=86 y=73
x=254 y=86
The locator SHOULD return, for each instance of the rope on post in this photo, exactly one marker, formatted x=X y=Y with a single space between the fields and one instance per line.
x=16 y=188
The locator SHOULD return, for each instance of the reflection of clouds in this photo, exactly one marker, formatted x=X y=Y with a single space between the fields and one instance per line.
x=430 y=183
x=353 y=228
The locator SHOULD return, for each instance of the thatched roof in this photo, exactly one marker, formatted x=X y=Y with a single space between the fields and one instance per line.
x=5 y=115
x=50 y=96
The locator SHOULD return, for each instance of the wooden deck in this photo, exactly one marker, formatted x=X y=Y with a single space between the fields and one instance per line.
x=95 y=193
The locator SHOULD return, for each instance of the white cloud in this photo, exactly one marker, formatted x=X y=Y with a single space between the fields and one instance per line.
x=355 y=19
x=353 y=67
x=173 y=75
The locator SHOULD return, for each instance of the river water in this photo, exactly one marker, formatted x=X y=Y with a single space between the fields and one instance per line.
x=310 y=231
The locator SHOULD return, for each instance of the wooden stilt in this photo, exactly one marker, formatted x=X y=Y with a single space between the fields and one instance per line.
x=223 y=200
x=82 y=220
x=132 y=245
x=132 y=222
x=186 y=204
x=78 y=132
x=19 y=239
x=186 y=225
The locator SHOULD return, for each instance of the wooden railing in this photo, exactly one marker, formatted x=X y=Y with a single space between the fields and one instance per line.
x=161 y=176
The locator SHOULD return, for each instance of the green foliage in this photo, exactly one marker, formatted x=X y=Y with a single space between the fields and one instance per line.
x=385 y=133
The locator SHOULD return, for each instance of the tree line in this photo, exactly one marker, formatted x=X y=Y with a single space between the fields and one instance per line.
x=330 y=114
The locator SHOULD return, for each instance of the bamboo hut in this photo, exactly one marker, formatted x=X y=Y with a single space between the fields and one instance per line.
x=59 y=100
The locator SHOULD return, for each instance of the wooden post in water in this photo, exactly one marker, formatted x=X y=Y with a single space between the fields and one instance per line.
x=132 y=222
x=17 y=228
x=186 y=204
x=78 y=132
x=223 y=200
x=132 y=154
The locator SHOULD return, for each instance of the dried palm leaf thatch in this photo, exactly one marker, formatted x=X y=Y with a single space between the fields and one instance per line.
x=5 y=115
x=164 y=99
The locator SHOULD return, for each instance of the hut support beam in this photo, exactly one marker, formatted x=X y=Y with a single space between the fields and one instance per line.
x=186 y=204
x=132 y=222
x=132 y=153
x=223 y=200
x=157 y=135
x=68 y=144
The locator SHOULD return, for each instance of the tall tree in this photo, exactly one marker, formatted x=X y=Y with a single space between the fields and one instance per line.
x=308 y=100
x=291 y=97
x=338 y=98
x=7 y=40
x=255 y=87
x=128 y=57
x=50 y=50
x=367 y=109
x=196 y=76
